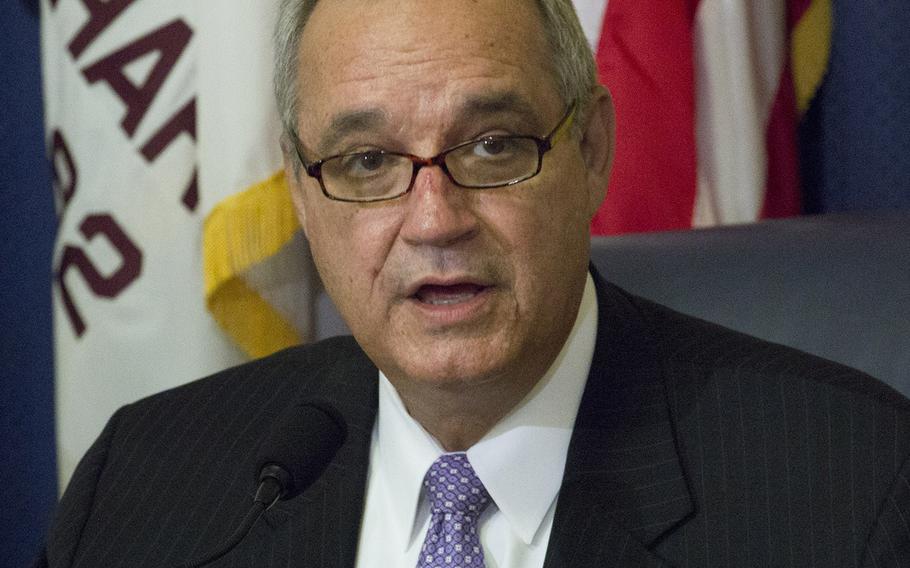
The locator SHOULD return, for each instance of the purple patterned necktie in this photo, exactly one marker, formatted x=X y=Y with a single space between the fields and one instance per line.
x=457 y=498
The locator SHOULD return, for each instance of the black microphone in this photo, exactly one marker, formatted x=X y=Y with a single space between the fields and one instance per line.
x=295 y=453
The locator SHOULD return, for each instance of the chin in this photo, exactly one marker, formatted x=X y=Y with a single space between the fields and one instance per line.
x=452 y=362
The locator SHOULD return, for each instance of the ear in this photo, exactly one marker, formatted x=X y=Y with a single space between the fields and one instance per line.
x=292 y=171
x=598 y=145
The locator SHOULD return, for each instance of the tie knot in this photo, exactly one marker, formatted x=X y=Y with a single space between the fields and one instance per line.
x=453 y=487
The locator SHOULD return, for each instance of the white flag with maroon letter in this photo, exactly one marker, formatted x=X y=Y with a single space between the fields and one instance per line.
x=163 y=138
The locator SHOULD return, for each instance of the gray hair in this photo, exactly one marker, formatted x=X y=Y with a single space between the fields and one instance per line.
x=573 y=62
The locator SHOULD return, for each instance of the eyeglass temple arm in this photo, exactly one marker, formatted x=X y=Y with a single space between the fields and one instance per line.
x=564 y=125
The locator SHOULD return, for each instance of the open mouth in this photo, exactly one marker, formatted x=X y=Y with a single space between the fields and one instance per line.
x=445 y=295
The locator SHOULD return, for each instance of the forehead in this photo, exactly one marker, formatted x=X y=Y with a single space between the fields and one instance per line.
x=426 y=56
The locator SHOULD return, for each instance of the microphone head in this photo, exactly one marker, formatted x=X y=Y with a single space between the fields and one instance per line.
x=300 y=445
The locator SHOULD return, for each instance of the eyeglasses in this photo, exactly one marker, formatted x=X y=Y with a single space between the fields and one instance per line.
x=488 y=162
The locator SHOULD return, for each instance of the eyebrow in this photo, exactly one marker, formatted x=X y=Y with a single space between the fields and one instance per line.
x=350 y=122
x=505 y=102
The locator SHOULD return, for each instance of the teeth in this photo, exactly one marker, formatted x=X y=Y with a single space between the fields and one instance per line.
x=435 y=295
x=448 y=300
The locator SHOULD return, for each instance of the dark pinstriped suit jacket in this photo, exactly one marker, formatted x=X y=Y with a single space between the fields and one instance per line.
x=694 y=446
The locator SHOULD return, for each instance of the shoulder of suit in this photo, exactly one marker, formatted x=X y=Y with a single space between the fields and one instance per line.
x=704 y=349
x=293 y=371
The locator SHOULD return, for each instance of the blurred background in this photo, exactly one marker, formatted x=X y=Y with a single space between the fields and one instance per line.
x=147 y=238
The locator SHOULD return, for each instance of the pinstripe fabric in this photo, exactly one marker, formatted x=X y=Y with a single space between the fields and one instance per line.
x=693 y=446
x=172 y=476
x=791 y=460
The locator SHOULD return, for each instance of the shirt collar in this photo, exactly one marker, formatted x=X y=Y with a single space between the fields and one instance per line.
x=521 y=459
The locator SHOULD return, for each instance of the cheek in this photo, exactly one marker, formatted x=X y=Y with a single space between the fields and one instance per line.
x=350 y=245
x=542 y=226
x=550 y=241
x=568 y=222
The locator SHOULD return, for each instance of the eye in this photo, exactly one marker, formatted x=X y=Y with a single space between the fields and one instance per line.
x=491 y=146
x=370 y=161
x=363 y=163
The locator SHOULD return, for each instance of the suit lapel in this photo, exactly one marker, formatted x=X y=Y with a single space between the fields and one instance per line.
x=624 y=484
x=323 y=523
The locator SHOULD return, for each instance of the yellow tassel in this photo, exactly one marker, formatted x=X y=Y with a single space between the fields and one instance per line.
x=240 y=232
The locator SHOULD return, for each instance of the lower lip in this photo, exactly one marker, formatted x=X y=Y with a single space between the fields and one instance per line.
x=454 y=313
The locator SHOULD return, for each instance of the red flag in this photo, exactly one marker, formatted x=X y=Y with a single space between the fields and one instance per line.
x=706 y=111
x=645 y=58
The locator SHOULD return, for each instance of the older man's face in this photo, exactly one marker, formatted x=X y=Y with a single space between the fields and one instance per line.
x=445 y=285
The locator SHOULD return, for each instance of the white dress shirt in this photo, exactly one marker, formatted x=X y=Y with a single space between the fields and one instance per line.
x=520 y=462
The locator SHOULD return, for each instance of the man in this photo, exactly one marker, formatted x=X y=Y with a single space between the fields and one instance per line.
x=445 y=160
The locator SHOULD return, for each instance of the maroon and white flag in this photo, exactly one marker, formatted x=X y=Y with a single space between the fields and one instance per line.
x=164 y=140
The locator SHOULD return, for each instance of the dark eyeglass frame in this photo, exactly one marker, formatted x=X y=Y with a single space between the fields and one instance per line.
x=544 y=145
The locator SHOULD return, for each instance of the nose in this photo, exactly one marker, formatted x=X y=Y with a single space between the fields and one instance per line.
x=438 y=213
